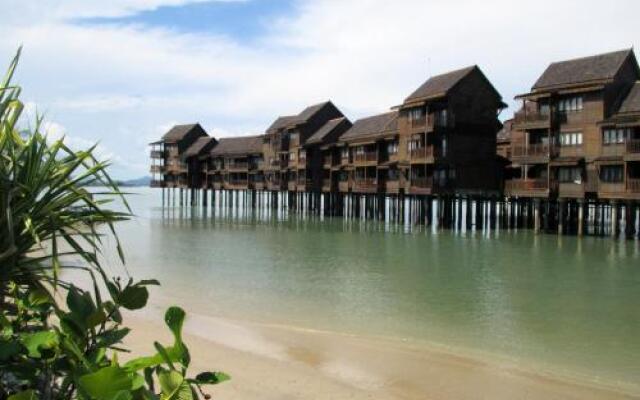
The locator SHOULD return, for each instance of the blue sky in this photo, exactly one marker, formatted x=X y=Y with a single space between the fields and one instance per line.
x=122 y=72
x=243 y=21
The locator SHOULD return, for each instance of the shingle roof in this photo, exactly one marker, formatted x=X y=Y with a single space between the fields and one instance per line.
x=198 y=146
x=371 y=126
x=238 y=146
x=320 y=134
x=178 y=132
x=631 y=103
x=439 y=85
x=582 y=70
x=280 y=123
x=308 y=112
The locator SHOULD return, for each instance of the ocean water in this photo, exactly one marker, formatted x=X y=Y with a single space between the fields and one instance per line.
x=559 y=304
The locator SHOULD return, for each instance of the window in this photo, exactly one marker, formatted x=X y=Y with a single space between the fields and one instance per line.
x=570 y=139
x=393 y=174
x=570 y=104
x=544 y=109
x=345 y=152
x=293 y=136
x=441 y=118
x=612 y=173
x=570 y=175
x=615 y=135
x=416 y=114
x=392 y=147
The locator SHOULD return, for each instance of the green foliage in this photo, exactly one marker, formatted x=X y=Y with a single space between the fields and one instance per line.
x=48 y=221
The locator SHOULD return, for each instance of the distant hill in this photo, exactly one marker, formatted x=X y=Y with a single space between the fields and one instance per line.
x=143 y=181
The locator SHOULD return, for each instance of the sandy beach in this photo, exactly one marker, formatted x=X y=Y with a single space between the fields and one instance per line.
x=282 y=362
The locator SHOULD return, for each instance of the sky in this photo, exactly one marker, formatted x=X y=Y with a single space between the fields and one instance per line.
x=121 y=72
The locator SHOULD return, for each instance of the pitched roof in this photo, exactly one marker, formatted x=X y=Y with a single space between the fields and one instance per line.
x=308 y=112
x=631 y=103
x=178 y=132
x=280 y=123
x=238 y=146
x=370 y=126
x=326 y=129
x=198 y=146
x=439 y=85
x=582 y=70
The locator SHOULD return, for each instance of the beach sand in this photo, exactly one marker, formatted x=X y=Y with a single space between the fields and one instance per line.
x=281 y=362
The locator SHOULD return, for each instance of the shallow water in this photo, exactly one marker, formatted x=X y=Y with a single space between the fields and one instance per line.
x=558 y=304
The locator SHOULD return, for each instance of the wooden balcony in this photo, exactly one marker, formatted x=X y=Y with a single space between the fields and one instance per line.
x=369 y=157
x=633 y=185
x=174 y=168
x=156 y=183
x=157 y=154
x=421 y=185
x=365 y=185
x=304 y=185
x=344 y=160
x=423 y=155
x=274 y=185
x=527 y=187
x=539 y=152
x=292 y=186
x=632 y=150
x=419 y=122
x=238 y=166
x=571 y=190
x=531 y=120
x=236 y=185
x=156 y=169
x=257 y=185
x=343 y=186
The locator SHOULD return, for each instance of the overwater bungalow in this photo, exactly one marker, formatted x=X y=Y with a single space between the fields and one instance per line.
x=448 y=132
x=236 y=163
x=168 y=164
x=577 y=134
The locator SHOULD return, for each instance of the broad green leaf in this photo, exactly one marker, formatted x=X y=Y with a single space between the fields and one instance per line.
x=34 y=342
x=80 y=304
x=106 y=383
x=133 y=297
x=24 y=395
x=211 y=378
x=111 y=337
x=39 y=297
x=174 y=386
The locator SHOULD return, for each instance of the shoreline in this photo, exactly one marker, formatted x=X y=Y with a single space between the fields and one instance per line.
x=343 y=365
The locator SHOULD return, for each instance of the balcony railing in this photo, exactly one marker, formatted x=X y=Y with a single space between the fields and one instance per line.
x=531 y=117
x=366 y=157
x=532 y=150
x=633 y=185
x=419 y=122
x=421 y=182
x=366 y=183
x=238 y=165
x=156 y=169
x=422 y=153
x=526 y=184
x=157 y=154
x=571 y=189
x=570 y=151
x=326 y=183
x=633 y=146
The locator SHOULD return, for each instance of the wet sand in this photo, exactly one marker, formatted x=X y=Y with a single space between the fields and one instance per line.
x=282 y=362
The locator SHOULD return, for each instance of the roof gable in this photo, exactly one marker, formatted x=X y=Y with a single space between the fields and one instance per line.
x=240 y=145
x=320 y=135
x=601 y=67
x=280 y=122
x=199 y=146
x=178 y=132
x=439 y=85
x=375 y=125
x=631 y=103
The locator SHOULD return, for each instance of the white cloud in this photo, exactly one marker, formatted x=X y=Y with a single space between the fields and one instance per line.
x=118 y=83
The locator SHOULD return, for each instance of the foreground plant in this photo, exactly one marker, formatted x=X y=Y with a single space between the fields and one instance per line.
x=50 y=225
